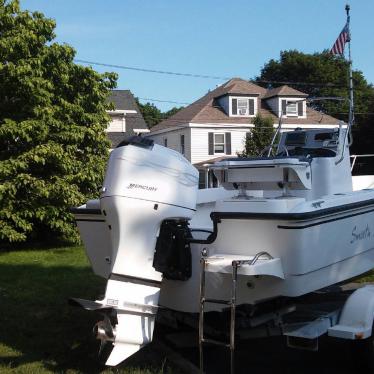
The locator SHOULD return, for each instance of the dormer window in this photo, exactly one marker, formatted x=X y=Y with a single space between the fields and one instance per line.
x=242 y=106
x=292 y=108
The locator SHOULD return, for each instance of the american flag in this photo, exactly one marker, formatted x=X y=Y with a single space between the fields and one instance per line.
x=338 y=47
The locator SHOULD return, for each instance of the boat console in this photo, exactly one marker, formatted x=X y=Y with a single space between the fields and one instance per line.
x=305 y=165
x=310 y=143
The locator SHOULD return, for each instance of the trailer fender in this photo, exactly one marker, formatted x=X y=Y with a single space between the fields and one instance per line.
x=357 y=315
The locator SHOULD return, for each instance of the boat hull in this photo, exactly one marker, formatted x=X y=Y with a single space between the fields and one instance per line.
x=314 y=254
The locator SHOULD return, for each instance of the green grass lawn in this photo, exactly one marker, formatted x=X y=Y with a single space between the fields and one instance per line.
x=40 y=332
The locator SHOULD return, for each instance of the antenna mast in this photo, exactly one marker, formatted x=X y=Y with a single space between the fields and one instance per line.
x=351 y=113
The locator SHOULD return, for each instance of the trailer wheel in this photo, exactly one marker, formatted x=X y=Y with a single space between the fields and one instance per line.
x=362 y=354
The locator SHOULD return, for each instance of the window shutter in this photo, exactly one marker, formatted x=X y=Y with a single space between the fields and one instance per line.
x=284 y=107
x=182 y=144
x=234 y=106
x=210 y=143
x=251 y=107
x=300 y=109
x=228 y=142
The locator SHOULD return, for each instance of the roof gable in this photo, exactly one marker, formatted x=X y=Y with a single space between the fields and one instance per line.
x=122 y=100
x=237 y=86
x=284 y=91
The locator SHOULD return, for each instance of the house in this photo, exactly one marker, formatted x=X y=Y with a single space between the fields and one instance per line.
x=215 y=126
x=126 y=118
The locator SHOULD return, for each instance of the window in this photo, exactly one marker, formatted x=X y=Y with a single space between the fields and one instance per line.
x=219 y=143
x=291 y=108
x=242 y=107
x=294 y=108
x=182 y=145
x=165 y=142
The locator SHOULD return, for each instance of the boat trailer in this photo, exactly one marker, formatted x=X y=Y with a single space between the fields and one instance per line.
x=339 y=311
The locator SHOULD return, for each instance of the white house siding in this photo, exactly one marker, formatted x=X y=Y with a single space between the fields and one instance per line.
x=199 y=137
x=174 y=140
x=237 y=140
x=117 y=124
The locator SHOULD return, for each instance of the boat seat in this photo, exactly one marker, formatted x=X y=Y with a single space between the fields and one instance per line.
x=300 y=158
x=308 y=153
x=298 y=153
x=222 y=263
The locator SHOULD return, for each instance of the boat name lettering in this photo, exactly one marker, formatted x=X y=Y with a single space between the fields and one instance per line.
x=360 y=235
x=141 y=186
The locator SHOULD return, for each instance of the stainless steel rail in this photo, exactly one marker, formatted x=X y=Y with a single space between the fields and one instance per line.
x=355 y=157
x=232 y=303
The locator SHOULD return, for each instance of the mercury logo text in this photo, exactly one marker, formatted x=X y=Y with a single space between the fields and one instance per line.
x=141 y=187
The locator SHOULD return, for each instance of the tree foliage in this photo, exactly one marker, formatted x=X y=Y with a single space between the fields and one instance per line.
x=53 y=147
x=259 y=137
x=153 y=115
x=322 y=74
x=171 y=112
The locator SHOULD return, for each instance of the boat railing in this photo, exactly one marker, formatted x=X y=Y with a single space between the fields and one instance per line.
x=355 y=157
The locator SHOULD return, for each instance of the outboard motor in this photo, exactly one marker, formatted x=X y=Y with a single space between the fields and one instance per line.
x=145 y=185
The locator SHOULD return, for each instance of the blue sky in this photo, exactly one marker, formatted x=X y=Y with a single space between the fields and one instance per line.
x=221 y=38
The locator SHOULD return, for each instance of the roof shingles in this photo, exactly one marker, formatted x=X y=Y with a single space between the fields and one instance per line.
x=124 y=100
x=207 y=109
x=284 y=91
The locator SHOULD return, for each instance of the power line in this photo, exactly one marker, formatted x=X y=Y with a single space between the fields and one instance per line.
x=163 y=101
x=134 y=68
x=205 y=76
x=289 y=83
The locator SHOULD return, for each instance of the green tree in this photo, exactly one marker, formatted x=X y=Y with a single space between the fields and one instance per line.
x=153 y=115
x=259 y=137
x=322 y=74
x=53 y=147
x=171 y=112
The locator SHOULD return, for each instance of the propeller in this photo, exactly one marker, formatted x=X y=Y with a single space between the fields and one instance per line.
x=104 y=331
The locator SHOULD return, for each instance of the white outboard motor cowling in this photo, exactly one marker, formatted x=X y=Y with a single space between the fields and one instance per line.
x=144 y=185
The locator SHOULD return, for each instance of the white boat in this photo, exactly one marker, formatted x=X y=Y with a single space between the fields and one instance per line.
x=284 y=225
x=317 y=230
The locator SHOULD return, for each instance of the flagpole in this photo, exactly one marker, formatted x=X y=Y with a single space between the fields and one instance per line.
x=351 y=115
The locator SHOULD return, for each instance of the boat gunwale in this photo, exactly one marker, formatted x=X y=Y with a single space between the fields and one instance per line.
x=299 y=216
